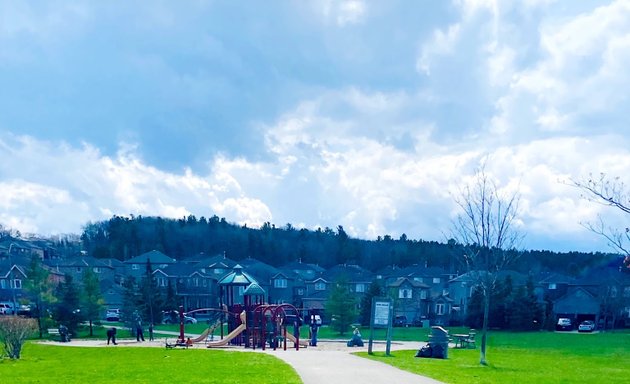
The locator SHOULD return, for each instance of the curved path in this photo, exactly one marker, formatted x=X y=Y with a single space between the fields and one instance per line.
x=317 y=366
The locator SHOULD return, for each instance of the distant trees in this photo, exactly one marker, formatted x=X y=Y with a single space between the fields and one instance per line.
x=341 y=306
x=40 y=290
x=485 y=228
x=375 y=290
x=68 y=307
x=91 y=298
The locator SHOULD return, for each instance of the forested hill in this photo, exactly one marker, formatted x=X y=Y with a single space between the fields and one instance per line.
x=124 y=238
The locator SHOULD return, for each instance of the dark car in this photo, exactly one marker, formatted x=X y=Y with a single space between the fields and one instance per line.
x=564 y=324
x=400 y=321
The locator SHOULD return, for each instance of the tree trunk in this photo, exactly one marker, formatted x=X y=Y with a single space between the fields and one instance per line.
x=91 y=333
x=484 y=329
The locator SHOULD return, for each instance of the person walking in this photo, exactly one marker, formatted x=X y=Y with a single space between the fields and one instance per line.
x=111 y=336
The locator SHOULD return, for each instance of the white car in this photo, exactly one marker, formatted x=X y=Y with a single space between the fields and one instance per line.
x=112 y=315
x=586 y=326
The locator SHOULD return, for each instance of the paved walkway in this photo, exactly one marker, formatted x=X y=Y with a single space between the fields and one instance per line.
x=341 y=367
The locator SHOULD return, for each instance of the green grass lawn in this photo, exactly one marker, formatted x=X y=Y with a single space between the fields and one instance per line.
x=539 y=357
x=61 y=364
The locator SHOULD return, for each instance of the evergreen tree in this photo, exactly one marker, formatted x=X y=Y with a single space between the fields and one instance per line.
x=151 y=300
x=341 y=305
x=171 y=302
x=68 y=308
x=40 y=290
x=91 y=298
x=129 y=301
x=375 y=290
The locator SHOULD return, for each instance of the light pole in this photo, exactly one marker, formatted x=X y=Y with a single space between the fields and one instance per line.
x=12 y=280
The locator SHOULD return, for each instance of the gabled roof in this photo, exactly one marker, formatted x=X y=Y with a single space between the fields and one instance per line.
x=351 y=272
x=402 y=280
x=82 y=261
x=155 y=257
x=181 y=270
x=263 y=272
x=217 y=261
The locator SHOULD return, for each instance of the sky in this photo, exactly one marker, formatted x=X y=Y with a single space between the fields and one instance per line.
x=365 y=114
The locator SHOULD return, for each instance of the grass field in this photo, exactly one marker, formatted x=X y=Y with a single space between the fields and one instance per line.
x=57 y=364
x=541 y=357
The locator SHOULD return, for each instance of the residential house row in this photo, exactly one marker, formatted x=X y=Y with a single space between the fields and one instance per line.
x=422 y=295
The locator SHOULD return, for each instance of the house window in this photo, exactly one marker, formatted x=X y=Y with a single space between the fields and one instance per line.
x=17 y=284
x=134 y=266
x=161 y=282
x=219 y=270
x=423 y=294
x=404 y=293
x=439 y=309
x=3 y=284
x=280 y=283
x=96 y=269
x=379 y=276
x=418 y=279
x=320 y=286
x=300 y=292
x=360 y=288
x=78 y=269
x=196 y=282
x=436 y=280
x=205 y=282
x=552 y=286
x=626 y=292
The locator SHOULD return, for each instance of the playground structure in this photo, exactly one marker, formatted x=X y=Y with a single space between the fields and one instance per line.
x=250 y=321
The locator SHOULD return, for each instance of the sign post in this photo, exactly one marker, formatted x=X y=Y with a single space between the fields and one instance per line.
x=381 y=317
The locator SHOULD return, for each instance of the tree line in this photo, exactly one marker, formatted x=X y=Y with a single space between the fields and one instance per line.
x=126 y=237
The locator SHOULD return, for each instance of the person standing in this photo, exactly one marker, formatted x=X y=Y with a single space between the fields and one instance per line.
x=150 y=331
x=111 y=336
x=314 y=327
x=139 y=331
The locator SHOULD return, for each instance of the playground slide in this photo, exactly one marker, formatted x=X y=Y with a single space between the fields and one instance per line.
x=205 y=333
x=237 y=331
x=220 y=343
x=291 y=338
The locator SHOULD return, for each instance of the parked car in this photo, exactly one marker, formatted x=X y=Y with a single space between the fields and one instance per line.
x=172 y=317
x=586 y=326
x=564 y=324
x=24 y=310
x=6 y=308
x=112 y=315
x=400 y=321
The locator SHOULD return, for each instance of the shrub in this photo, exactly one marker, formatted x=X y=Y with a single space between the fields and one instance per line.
x=14 y=331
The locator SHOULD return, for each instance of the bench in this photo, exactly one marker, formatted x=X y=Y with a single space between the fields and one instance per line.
x=176 y=344
x=55 y=332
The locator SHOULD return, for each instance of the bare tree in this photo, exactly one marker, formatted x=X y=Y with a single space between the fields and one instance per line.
x=611 y=192
x=486 y=230
x=14 y=331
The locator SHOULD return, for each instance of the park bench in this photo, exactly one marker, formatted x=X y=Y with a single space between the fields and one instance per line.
x=176 y=345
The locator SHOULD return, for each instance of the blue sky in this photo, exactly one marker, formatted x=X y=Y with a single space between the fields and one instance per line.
x=366 y=114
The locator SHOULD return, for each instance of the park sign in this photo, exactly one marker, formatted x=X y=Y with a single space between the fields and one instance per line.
x=381 y=317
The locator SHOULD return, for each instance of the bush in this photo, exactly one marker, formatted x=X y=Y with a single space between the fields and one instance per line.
x=14 y=331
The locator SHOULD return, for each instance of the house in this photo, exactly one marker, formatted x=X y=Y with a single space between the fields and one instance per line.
x=77 y=266
x=194 y=287
x=137 y=267
x=412 y=298
x=12 y=279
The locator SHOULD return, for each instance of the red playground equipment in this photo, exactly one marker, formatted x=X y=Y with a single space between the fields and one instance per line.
x=250 y=321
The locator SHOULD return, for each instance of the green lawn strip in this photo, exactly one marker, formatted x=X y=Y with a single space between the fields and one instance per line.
x=45 y=364
x=543 y=357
